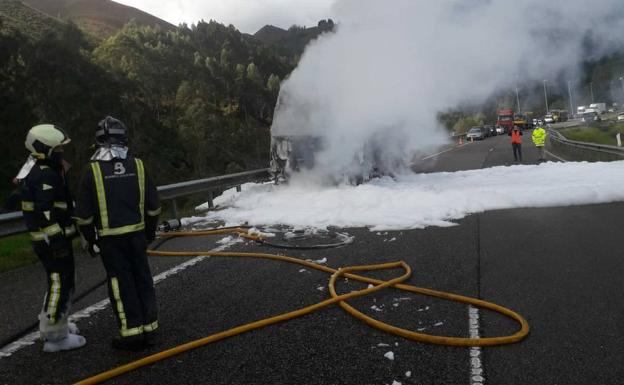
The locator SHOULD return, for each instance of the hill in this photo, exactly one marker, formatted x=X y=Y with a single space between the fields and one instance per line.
x=293 y=41
x=101 y=18
x=270 y=34
x=16 y=16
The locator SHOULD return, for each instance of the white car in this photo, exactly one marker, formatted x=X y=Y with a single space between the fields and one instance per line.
x=620 y=116
x=500 y=130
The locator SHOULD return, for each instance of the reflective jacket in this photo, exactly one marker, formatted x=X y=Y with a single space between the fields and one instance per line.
x=115 y=198
x=47 y=204
x=516 y=136
x=539 y=137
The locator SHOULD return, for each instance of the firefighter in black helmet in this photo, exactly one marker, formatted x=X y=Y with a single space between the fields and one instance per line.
x=117 y=212
x=47 y=207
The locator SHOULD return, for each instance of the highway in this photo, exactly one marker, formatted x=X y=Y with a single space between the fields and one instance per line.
x=561 y=268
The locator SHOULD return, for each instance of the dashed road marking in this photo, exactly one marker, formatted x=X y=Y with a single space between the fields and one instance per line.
x=477 y=372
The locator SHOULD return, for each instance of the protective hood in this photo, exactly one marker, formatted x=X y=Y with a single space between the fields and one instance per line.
x=108 y=153
x=25 y=170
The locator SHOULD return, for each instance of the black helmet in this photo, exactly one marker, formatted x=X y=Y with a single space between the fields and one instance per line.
x=111 y=131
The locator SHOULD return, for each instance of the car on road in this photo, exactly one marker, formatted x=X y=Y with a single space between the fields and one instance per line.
x=500 y=130
x=589 y=117
x=620 y=116
x=476 y=133
x=490 y=130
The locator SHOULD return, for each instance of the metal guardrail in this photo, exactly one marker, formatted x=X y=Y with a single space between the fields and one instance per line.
x=583 y=151
x=13 y=223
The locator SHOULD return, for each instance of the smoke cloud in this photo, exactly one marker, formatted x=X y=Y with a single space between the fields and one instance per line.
x=372 y=89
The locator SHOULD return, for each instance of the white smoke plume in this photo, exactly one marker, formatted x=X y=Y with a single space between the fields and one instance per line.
x=373 y=88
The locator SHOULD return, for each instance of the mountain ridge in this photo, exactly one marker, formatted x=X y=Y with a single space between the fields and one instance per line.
x=101 y=18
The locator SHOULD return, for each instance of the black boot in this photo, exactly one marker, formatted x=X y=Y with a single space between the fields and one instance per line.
x=133 y=343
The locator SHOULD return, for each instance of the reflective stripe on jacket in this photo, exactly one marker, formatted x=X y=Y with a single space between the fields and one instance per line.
x=539 y=137
x=46 y=203
x=117 y=195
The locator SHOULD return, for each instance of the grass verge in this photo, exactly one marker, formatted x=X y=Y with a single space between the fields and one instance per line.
x=595 y=134
x=15 y=251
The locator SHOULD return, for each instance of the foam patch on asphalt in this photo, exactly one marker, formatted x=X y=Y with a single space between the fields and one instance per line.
x=422 y=200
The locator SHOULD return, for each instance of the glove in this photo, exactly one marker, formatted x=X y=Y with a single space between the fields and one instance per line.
x=93 y=249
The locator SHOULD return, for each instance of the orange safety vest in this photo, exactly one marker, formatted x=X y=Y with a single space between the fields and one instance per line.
x=516 y=137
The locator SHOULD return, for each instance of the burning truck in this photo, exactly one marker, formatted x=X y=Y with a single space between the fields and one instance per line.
x=298 y=153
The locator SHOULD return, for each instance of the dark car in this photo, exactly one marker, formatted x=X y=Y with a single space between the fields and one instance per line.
x=491 y=130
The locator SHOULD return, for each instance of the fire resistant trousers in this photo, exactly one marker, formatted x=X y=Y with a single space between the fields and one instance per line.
x=130 y=283
x=59 y=267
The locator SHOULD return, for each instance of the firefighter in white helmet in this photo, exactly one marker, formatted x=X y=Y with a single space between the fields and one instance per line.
x=47 y=206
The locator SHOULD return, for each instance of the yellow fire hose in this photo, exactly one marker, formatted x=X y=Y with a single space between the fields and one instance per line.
x=377 y=285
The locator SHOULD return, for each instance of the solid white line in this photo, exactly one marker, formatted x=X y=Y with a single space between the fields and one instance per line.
x=477 y=373
x=442 y=152
x=87 y=312
x=555 y=156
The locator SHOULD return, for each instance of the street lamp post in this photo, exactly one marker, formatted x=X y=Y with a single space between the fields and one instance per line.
x=591 y=90
x=546 y=97
x=517 y=98
x=622 y=81
x=570 y=96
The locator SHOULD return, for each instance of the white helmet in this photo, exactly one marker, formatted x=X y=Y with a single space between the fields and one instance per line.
x=42 y=139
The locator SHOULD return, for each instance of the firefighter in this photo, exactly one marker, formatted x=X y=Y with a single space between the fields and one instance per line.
x=117 y=212
x=47 y=206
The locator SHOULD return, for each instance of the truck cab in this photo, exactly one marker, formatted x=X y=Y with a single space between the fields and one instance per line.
x=505 y=118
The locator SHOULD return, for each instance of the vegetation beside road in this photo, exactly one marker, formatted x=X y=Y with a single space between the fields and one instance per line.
x=15 y=252
x=599 y=134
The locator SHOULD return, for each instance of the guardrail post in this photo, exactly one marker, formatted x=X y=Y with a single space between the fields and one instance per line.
x=175 y=208
x=210 y=201
x=238 y=188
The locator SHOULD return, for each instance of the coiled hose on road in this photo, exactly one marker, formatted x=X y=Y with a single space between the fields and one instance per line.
x=347 y=272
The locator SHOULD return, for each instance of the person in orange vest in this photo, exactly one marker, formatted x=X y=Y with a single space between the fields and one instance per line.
x=516 y=143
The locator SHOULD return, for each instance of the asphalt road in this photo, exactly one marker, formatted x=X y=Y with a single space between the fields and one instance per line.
x=561 y=268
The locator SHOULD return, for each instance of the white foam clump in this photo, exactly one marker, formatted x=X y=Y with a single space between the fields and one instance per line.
x=389 y=355
x=422 y=200
x=229 y=240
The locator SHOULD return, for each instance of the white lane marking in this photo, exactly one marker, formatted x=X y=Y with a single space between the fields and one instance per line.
x=555 y=156
x=32 y=338
x=477 y=374
x=443 y=152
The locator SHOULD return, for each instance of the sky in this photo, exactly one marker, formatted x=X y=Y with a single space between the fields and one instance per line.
x=420 y=200
x=246 y=15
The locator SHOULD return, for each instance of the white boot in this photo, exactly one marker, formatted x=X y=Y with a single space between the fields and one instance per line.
x=72 y=328
x=72 y=341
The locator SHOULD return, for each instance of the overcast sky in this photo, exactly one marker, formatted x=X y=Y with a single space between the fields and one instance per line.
x=247 y=15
